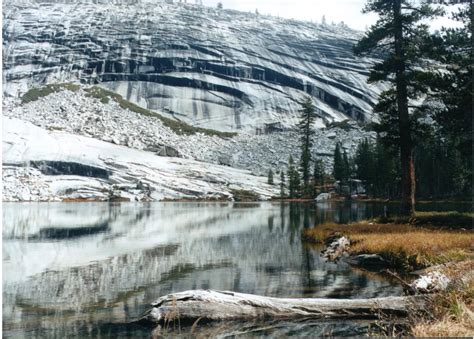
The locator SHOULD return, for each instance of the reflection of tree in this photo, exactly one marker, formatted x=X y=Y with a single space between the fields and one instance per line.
x=282 y=215
x=270 y=222
x=306 y=268
x=306 y=223
x=295 y=220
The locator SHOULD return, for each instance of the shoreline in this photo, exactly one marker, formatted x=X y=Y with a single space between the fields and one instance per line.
x=223 y=199
x=441 y=257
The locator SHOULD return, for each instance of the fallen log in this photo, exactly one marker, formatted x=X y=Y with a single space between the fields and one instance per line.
x=208 y=305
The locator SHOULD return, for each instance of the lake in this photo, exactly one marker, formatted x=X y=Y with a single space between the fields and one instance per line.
x=88 y=269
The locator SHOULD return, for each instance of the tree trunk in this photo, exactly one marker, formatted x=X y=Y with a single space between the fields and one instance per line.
x=406 y=144
x=208 y=305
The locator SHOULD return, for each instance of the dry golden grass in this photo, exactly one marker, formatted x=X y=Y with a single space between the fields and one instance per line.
x=450 y=313
x=445 y=327
x=403 y=245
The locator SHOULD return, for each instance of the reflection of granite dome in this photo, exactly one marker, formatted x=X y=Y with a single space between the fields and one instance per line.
x=218 y=69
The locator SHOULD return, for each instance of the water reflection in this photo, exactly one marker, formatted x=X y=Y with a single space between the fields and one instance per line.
x=75 y=269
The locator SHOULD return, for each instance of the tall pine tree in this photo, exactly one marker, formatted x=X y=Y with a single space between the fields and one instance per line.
x=305 y=126
x=294 y=180
x=270 y=177
x=347 y=170
x=399 y=37
x=365 y=166
x=338 y=169
x=454 y=49
x=318 y=175
x=282 y=184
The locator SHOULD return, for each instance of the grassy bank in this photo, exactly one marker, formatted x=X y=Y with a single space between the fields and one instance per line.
x=431 y=241
x=404 y=246
x=452 y=219
x=449 y=313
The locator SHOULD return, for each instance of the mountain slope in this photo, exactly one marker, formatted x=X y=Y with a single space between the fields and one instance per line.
x=66 y=166
x=212 y=68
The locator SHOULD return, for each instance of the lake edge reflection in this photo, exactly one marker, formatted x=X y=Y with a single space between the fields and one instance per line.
x=75 y=268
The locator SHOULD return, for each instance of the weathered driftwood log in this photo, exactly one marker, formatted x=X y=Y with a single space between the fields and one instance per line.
x=209 y=305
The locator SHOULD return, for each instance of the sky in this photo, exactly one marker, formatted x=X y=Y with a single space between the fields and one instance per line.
x=349 y=11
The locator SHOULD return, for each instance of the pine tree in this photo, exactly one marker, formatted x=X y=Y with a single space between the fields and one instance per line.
x=270 y=177
x=282 y=184
x=338 y=169
x=291 y=176
x=399 y=35
x=365 y=165
x=294 y=180
x=318 y=175
x=347 y=167
x=219 y=5
x=305 y=126
x=297 y=184
x=386 y=173
x=454 y=48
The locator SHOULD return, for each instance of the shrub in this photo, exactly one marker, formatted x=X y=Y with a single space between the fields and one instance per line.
x=35 y=93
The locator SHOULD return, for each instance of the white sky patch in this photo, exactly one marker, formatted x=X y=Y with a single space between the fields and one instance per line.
x=348 y=11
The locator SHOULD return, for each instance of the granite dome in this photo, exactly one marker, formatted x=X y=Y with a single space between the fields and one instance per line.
x=212 y=68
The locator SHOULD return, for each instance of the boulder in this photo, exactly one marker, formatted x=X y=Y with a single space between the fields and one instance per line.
x=168 y=151
x=224 y=160
x=336 y=249
x=323 y=197
x=368 y=261
x=431 y=282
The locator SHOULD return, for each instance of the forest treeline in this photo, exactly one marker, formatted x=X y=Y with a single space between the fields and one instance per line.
x=423 y=147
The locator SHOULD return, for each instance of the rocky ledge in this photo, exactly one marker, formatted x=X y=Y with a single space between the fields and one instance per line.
x=41 y=165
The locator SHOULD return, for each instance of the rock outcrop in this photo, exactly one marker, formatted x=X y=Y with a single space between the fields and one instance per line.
x=219 y=69
x=41 y=165
x=79 y=113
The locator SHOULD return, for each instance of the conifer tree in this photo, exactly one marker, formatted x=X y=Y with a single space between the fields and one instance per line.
x=364 y=162
x=347 y=167
x=305 y=126
x=399 y=36
x=454 y=48
x=338 y=169
x=270 y=177
x=294 y=180
x=290 y=174
x=282 y=184
x=297 y=184
x=318 y=175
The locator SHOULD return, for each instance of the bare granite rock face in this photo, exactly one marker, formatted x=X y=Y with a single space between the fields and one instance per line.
x=220 y=69
x=217 y=69
x=41 y=165
x=77 y=113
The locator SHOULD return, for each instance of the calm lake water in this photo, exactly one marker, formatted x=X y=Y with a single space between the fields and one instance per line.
x=88 y=269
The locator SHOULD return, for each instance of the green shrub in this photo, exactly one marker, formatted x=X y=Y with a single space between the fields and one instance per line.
x=35 y=93
x=244 y=195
